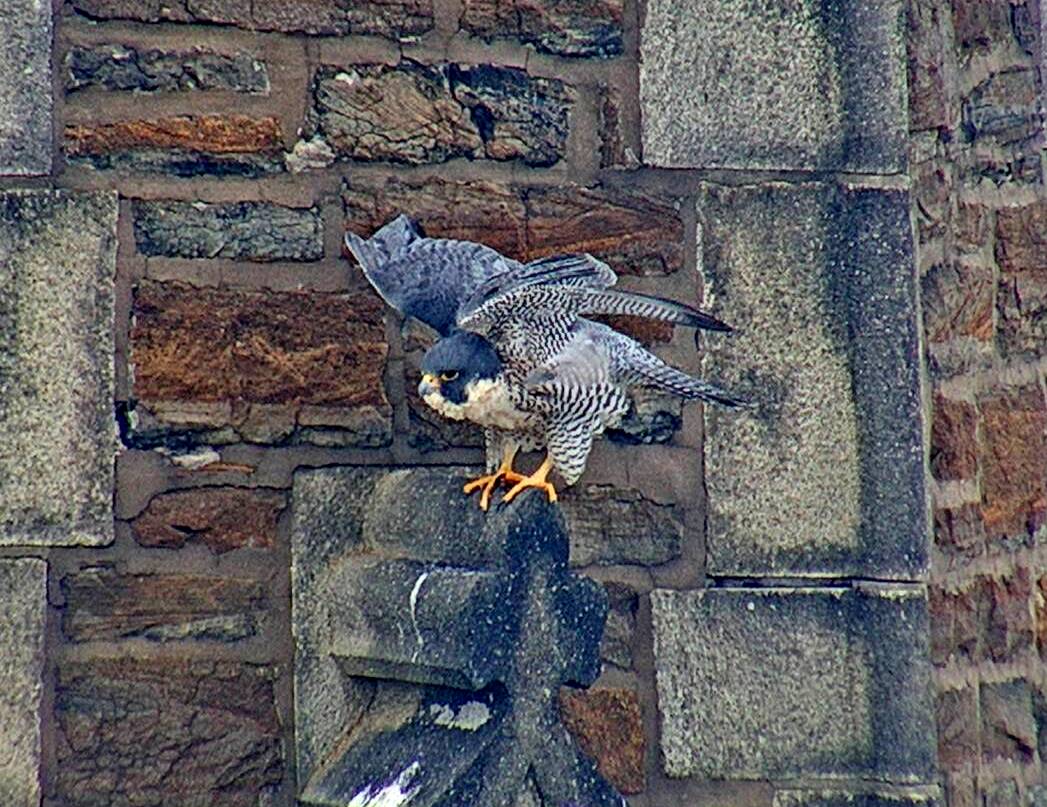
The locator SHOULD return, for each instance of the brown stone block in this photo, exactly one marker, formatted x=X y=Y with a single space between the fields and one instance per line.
x=608 y=726
x=215 y=134
x=1011 y=455
x=953 y=439
x=101 y=603
x=240 y=347
x=954 y=624
x=414 y=113
x=646 y=331
x=168 y=731
x=1021 y=238
x=932 y=190
x=397 y=19
x=930 y=85
x=637 y=234
x=490 y=213
x=221 y=518
x=566 y=27
x=972 y=226
x=1022 y=307
x=981 y=24
x=957 y=714
x=960 y=530
x=958 y=301
x=1008 y=727
x=1005 y=610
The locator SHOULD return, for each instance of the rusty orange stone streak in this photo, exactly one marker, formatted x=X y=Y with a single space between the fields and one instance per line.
x=216 y=134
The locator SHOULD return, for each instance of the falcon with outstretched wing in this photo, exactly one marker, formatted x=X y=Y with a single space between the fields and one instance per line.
x=517 y=355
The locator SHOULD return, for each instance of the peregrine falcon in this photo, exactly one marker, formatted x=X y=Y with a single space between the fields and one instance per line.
x=517 y=355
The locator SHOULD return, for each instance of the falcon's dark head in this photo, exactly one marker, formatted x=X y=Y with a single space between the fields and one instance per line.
x=451 y=365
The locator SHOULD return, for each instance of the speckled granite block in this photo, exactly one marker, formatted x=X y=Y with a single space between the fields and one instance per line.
x=57 y=431
x=25 y=88
x=23 y=584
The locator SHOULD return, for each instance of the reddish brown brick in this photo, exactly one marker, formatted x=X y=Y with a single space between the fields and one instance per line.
x=101 y=603
x=953 y=443
x=221 y=518
x=1011 y=455
x=636 y=233
x=1021 y=238
x=608 y=726
x=954 y=624
x=959 y=530
x=490 y=213
x=1008 y=728
x=1006 y=615
x=215 y=134
x=958 y=730
x=958 y=301
x=647 y=331
x=981 y=24
x=930 y=82
x=932 y=193
x=208 y=344
x=168 y=731
x=972 y=226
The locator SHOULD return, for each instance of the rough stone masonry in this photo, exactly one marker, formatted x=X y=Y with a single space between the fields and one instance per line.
x=835 y=599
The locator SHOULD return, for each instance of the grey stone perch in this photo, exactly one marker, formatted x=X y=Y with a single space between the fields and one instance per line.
x=431 y=643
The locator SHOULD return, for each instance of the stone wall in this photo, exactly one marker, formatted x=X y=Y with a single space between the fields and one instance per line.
x=976 y=114
x=857 y=186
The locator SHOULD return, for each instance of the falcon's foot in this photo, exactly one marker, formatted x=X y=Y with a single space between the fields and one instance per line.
x=486 y=483
x=539 y=479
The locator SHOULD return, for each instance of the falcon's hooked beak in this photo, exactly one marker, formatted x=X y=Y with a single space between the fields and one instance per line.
x=430 y=386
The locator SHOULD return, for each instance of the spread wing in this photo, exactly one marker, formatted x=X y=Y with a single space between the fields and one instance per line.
x=425 y=278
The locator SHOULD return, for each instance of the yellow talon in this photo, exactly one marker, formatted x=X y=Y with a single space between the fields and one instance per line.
x=505 y=471
x=539 y=479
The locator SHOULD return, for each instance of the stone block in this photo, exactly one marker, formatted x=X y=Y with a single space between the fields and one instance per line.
x=608 y=726
x=101 y=603
x=1021 y=252
x=958 y=730
x=958 y=302
x=430 y=114
x=825 y=474
x=22 y=627
x=953 y=444
x=788 y=683
x=636 y=232
x=1008 y=729
x=166 y=731
x=57 y=430
x=1011 y=450
x=25 y=88
x=252 y=231
x=574 y=28
x=220 y=518
x=183 y=146
x=402 y=20
x=781 y=85
x=861 y=796
x=125 y=67
x=263 y=364
x=615 y=526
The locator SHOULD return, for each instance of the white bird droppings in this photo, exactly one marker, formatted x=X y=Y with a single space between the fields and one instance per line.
x=469 y=718
x=395 y=794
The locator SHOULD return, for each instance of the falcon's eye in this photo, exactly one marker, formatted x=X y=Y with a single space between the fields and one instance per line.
x=451 y=375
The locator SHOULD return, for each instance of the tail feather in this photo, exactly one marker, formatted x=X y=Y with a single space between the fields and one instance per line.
x=669 y=379
x=642 y=305
x=372 y=252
